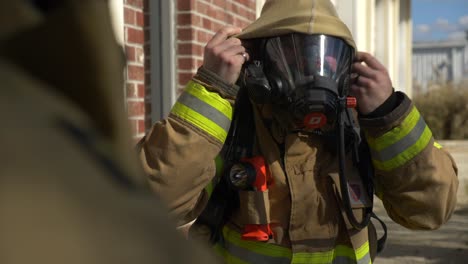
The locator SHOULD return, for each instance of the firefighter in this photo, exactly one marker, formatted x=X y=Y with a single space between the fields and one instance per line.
x=267 y=150
x=70 y=191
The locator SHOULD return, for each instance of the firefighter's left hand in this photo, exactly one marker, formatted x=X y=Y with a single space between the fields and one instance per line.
x=372 y=86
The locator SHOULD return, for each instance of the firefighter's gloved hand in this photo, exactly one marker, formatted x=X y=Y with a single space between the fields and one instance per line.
x=373 y=86
x=222 y=62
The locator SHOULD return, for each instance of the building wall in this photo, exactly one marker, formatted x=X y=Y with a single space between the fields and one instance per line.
x=438 y=63
x=384 y=29
x=130 y=22
x=197 y=21
x=175 y=34
x=134 y=46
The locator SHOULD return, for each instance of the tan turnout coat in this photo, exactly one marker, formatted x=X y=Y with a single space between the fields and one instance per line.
x=414 y=176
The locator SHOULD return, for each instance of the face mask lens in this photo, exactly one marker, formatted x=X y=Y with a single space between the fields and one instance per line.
x=308 y=70
x=299 y=57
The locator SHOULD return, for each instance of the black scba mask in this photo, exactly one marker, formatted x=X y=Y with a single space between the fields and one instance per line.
x=308 y=75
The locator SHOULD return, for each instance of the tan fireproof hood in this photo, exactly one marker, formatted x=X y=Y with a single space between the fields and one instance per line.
x=281 y=17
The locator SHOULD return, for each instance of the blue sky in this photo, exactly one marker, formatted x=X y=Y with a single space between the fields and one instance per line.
x=439 y=19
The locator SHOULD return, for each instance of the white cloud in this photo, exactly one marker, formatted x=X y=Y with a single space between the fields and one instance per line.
x=442 y=22
x=463 y=21
x=444 y=25
x=458 y=35
x=423 y=28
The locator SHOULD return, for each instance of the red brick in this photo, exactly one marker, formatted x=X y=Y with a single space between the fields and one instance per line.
x=141 y=126
x=135 y=3
x=136 y=73
x=141 y=90
x=202 y=7
x=185 y=63
x=190 y=49
x=207 y=24
x=185 y=34
x=216 y=26
x=199 y=63
x=185 y=5
x=136 y=108
x=229 y=6
x=247 y=3
x=184 y=19
x=131 y=91
x=217 y=15
x=139 y=19
x=203 y=37
x=135 y=36
x=130 y=52
x=219 y=3
x=230 y=19
x=129 y=16
x=184 y=78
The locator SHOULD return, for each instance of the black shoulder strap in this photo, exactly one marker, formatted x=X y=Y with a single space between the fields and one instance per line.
x=367 y=173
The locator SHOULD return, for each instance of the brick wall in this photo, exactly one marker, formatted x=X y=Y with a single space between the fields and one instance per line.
x=135 y=39
x=196 y=22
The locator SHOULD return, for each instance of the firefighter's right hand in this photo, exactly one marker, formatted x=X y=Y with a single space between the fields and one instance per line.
x=224 y=55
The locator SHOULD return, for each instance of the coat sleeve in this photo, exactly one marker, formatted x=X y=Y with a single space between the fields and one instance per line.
x=178 y=153
x=414 y=176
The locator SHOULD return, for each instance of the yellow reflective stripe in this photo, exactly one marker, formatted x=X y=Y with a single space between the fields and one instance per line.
x=235 y=250
x=363 y=251
x=405 y=155
x=213 y=99
x=219 y=162
x=332 y=255
x=401 y=144
x=437 y=145
x=228 y=258
x=200 y=121
x=396 y=133
x=205 y=110
x=209 y=188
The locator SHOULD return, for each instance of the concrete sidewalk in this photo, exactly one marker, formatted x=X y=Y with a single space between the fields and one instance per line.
x=447 y=245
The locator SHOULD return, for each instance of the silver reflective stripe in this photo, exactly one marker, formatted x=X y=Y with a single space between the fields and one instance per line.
x=400 y=146
x=338 y=260
x=344 y=260
x=206 y=110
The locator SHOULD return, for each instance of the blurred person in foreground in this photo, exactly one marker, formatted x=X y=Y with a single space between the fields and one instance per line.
x=268 y=152
x=69 y=182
